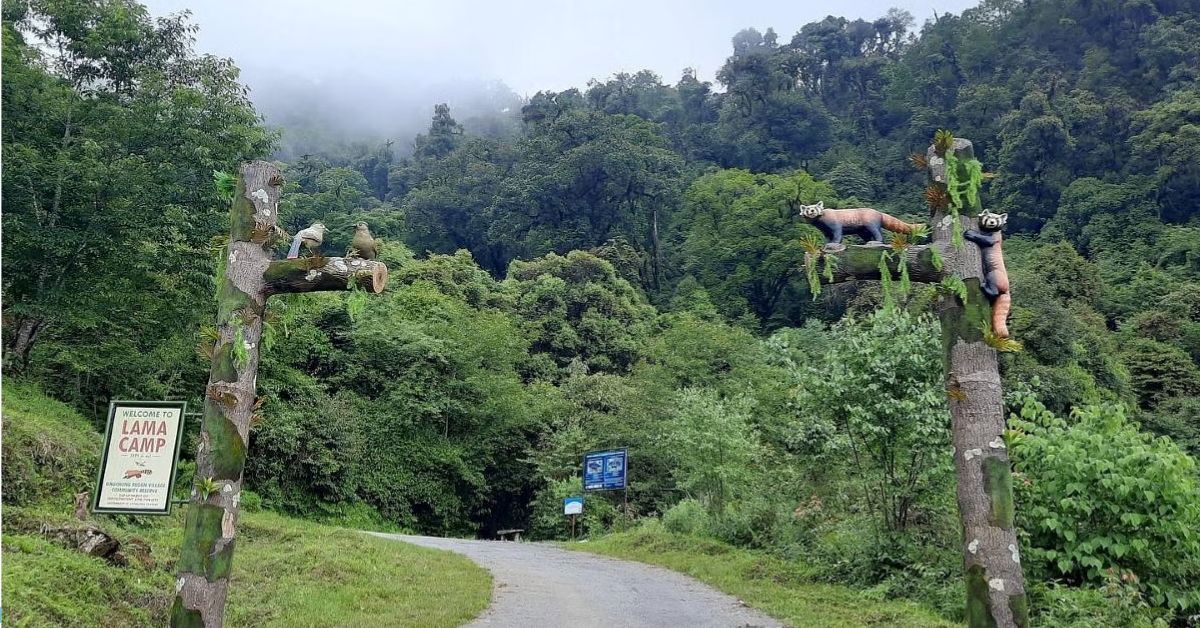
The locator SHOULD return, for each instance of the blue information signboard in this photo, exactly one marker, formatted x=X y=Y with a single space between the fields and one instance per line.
x=604 y=470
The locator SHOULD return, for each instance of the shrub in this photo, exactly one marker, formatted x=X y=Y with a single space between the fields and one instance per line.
x=686 y=517
x=1097 y=494
x=549 y=522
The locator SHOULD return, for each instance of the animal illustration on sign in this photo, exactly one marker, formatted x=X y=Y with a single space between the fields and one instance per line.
x=995 y=275
x=864 y=222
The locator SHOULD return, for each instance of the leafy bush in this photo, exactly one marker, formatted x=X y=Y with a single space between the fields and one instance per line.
x=549 y=522
x=875 y=397
x=687 y=517
x=1097 y=494
x=1115 y=604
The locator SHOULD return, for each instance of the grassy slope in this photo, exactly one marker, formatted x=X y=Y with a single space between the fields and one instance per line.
x=766 y=583
x=286 y=572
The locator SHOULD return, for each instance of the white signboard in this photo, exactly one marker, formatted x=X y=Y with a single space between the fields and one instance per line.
x=573 y=506
x=141 y=449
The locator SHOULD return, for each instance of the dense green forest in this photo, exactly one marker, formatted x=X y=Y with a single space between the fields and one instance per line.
x=622 y=266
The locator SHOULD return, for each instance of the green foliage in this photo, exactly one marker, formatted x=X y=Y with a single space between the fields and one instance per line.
x=687 y=517
x=953 y=285
x=241 y=355
x=741 y=244
x=875 y=396
x=207 y=486
x=106 y=194
x=1097 y=494
x=600 y=511
x=225 y=185
x=716 y=448
x=1003 y=345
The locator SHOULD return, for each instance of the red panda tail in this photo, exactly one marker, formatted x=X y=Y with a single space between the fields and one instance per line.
x=895 y=225
x=1000 y=309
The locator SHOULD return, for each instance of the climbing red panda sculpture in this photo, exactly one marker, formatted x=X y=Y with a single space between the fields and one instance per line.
x=995 y=275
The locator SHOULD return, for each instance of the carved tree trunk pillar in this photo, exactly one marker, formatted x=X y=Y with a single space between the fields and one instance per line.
x=211 y=521
x=995 y=582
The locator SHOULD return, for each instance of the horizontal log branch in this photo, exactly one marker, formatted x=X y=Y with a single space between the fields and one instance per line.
x=317 y=274
x=862 y=262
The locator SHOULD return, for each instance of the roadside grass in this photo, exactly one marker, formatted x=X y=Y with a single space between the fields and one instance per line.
x=294 y=573
x=783 y=590
x=286 y=572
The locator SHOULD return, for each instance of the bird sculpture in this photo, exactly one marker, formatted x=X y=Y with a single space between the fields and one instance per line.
x=311 y=238
x=363 y=245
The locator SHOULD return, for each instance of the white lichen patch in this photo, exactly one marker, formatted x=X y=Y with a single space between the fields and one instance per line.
x=973 y=546
x=228 y=488
x=261 y=196
x=947 y=220
x=997 y=443
x=237 y=499
x=232 y=257
x=1016 y=556
x=938 y=166
x=311 y=275
x=971 y=453
x=179 y=584
x=340 y=265
x=996 y=584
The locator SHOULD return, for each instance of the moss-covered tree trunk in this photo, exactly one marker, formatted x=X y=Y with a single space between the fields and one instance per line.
x=995 y=583
x=248 y=279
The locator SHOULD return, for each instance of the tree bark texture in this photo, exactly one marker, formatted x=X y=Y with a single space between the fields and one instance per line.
x=249 y=279
x=312 y=274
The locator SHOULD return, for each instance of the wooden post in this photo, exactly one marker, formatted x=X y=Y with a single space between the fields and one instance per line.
x=995 y=584
x=250 y=277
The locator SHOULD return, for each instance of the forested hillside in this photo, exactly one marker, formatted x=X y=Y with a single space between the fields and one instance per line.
x=623 y=266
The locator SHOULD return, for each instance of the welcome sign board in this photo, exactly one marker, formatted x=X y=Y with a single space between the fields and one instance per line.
x=141 y=451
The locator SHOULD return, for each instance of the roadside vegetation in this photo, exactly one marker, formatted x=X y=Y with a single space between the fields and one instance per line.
x=786 y=590
x=287 y=572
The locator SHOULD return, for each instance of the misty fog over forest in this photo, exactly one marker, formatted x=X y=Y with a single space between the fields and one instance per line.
x=371 y=71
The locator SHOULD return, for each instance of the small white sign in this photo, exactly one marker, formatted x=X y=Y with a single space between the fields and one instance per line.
x=573 y=506
x=141 y=448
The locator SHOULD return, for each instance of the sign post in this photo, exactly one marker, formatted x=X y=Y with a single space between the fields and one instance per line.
x=141 y=453
x=572 y=507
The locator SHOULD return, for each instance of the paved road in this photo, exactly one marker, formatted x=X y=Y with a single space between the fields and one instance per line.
x=537 y=585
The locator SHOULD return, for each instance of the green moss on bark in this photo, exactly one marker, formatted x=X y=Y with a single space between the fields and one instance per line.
x=241 y=221
x=201 y=533
x=284 y=268
x=997 y=483
x=227 y=450
x=965 y=321
x=979 y=607
x=230 y=300
x=183 y=617
x=1019 y=606
x=223 y=368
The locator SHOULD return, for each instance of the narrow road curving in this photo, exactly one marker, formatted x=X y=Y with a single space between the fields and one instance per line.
x=537 y=585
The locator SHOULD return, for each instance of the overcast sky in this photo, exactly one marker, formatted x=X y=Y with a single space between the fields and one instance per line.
x=527 y=44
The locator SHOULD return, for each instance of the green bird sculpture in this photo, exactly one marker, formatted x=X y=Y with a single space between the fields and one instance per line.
x=363 y=245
